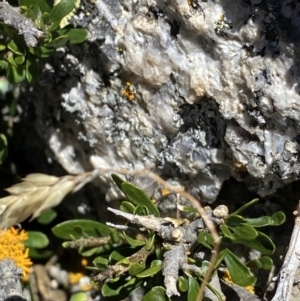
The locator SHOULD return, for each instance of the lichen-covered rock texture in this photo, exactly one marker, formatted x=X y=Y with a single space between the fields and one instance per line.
x=198 y=91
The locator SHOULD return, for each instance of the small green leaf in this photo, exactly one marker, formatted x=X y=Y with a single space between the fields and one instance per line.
x=111 y=290
x=76 y=35
x=226 y=232
x=276 y=219
x=101 y=262
x=205 y=266
x=2 y=47
x=239 y=273
x=264 y=262
x=127 y=207
x=39 y=253
x=103 y=249
x=235 y=220
x=133 y=242
x=119 y=289
x=33 y=8
x=89 y=252
x=139 y=197
x=136 y=268
x=131 y=282
x=58 y=42
x=118 y=180
x=16 y=47
x=150 y=243
x=3 y=148
x=42 y=52
x=183 y=284
x=114 y=236
x=135 y=195
x=154 y=269
x=220 y=258
x=3 y=64
x=141 y=210
x=20 y=59
x=15 y=74
x=40 y=23
x=36 y=240
x=246 y=231
x=244 y=207
x=159 y=252
x=115 y=256
x=261 y=243
x=46 y=5
x=47 y=217
x=10 y=58
x=156 y=293
x=54 y=26
x=188 y=209
x=206 y=239
x=81 y=296
x=193 y=289
x=46 y=17
x=62 y=9
x=31 y=68
x=79 y=227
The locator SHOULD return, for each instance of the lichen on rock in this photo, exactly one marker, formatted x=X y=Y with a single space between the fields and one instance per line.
x=216 y=93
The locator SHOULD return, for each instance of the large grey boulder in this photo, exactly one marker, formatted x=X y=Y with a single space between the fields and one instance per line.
x=198 y=91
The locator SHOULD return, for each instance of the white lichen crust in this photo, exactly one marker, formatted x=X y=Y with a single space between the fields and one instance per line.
x=198 y=93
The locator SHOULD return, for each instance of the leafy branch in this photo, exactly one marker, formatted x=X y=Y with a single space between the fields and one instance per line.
x=167 y=245
x=31 y=32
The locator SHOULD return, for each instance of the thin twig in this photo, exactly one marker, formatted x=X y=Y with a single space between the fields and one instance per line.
x=120 y=268
x=24 y=26
x=290 y=265
x=87 y=242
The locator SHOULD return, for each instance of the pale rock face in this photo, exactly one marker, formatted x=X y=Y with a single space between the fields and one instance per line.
x=216 y=93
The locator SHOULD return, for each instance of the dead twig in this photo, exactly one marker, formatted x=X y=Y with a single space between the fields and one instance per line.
x=10 y=283
x=24 y=26
x=290 y=265
x=120 y=268
x=196 y=203
x=179 y=235
x=87 y=242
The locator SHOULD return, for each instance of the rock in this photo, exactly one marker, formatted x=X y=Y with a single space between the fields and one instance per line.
x=198 y=91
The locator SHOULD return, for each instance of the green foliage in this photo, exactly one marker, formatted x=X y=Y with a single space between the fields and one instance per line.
x=47 y=217
x=37 y=243
x=3 y=148
x=20 y=61
x=135 y=195
x=138 y=255
x=156 y=293
x=81 y=296
x=80 y=228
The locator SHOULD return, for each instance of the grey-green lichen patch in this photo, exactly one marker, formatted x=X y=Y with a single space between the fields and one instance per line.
x=198 y=93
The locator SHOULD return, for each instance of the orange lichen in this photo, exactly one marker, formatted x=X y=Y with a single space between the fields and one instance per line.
x=227 y=278
x=81 y=280
x=128 y=92
x=74 y=278
x=165 y=191
x=12 y=247
x=84 y=262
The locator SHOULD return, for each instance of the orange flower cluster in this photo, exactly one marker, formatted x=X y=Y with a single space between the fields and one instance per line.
x=12 y=247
